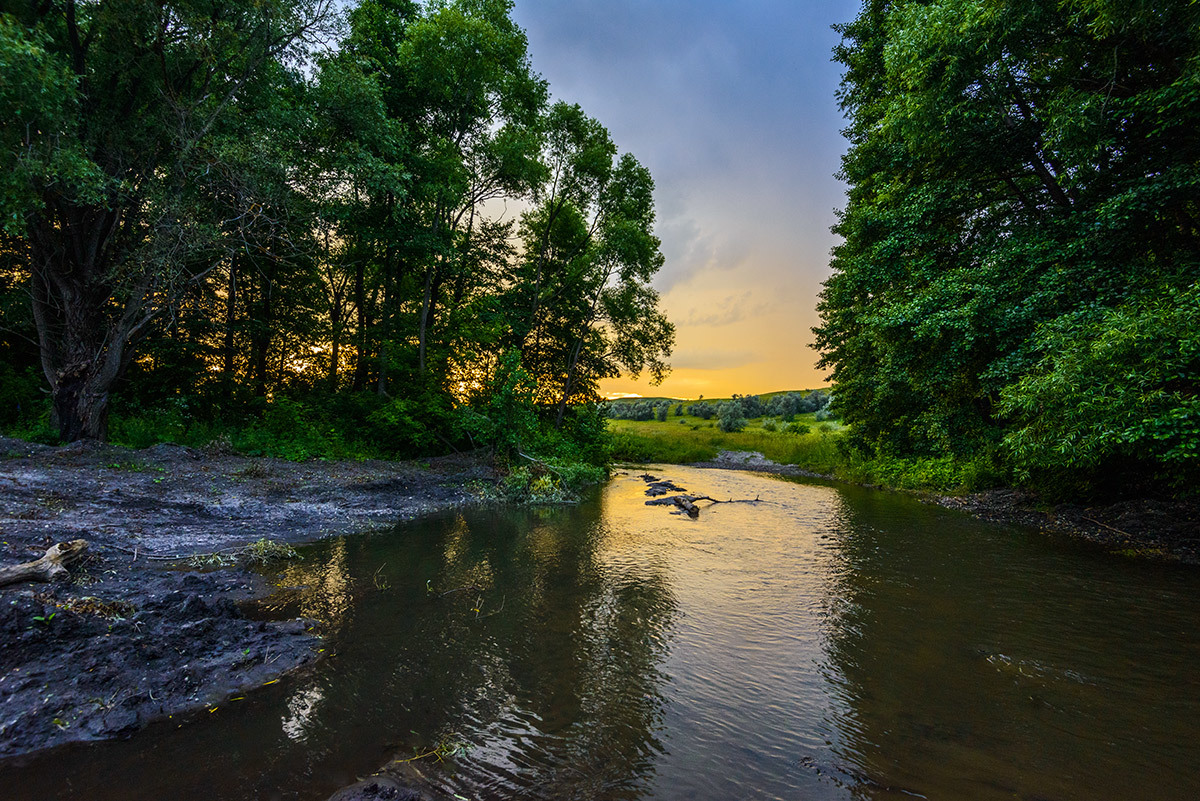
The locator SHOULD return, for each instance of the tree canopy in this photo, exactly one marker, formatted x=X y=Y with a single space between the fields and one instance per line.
x=221 y=203
x=1021 y=242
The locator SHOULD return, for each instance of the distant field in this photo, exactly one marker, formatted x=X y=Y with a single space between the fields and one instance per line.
x=765 y=396
x=681 y=440
x=685 y=439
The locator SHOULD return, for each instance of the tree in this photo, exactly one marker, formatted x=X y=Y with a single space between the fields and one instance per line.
x=116 y=209
x=583 y=307
x=1060 y=185
x=730 y=417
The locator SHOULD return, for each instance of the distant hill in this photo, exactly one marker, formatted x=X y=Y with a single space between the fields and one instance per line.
x=763 y=395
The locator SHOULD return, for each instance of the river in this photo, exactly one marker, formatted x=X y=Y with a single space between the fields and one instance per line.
x=827 y=642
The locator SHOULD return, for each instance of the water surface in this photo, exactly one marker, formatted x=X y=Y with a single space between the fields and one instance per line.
x=825 y=643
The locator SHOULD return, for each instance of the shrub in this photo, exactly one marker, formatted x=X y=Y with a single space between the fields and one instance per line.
x=730 y=417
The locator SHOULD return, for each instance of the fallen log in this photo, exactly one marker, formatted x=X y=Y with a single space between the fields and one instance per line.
x=687 y=503
x=52 y=566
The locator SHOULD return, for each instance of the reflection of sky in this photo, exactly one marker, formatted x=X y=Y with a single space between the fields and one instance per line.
x=731 y=105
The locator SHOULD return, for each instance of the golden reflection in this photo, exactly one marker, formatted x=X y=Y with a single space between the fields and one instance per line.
x=323 y=588
x=300 y=710
x=457 y=541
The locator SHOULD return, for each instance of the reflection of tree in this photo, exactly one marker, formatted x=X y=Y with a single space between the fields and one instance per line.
x=512 y=631
x=318 y=588
x=965 y=662
x=555 y=680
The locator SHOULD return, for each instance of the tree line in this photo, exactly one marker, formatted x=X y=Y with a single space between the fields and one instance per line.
x=222 y=203
x=1018 y=277
x=732 y=414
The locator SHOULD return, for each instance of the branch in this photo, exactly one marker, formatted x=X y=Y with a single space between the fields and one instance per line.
x=52 y=566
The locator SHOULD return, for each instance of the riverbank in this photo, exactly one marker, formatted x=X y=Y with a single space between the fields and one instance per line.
x=150 y=627
x=1153 y=528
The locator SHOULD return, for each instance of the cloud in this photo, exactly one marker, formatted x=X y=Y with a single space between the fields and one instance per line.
x=716 y=359
x=690 y=251
x=732 y=108
x=726 y=311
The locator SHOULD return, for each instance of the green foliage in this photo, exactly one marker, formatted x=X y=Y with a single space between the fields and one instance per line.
x=18 y=396
x=823 y=451
x=1116 y=385
x=285 y=217
x=509 y=417
x=730 y=417
x=549 y=482
x=977 y=264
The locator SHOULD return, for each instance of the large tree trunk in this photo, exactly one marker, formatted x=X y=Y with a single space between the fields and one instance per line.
x=83 y=344
x=426 y=318
x=79 y=404
x=335 y=341
x=260 y=337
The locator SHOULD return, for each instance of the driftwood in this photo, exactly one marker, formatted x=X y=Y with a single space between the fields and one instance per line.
x=687 y=503
x=51 y=567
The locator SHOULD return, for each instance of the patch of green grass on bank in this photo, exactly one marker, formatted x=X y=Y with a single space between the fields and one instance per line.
x=681 y=440
x=696 y=440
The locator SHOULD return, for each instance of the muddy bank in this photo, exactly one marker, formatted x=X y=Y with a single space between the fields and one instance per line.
x=1143 y=527
x=144 y=632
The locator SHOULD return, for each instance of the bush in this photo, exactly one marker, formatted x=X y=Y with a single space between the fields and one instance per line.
x=1115 y=400
x=20 y=396
x=730 y=417
x=752 y=406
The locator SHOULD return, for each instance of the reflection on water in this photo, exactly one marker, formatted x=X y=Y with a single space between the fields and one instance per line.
x=827 y=643
x=1014 y=669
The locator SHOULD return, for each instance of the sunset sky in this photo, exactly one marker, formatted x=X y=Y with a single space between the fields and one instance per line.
x=731 y=106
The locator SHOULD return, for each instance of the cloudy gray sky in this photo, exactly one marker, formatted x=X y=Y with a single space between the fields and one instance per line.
x=731 y=106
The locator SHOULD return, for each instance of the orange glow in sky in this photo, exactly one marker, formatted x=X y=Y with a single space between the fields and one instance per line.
x=732 y=107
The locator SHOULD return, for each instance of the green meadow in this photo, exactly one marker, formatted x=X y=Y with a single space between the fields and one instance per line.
x=681 y=440
x=805 y=443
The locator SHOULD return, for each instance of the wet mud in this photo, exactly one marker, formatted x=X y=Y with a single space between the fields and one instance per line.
x=154 y=623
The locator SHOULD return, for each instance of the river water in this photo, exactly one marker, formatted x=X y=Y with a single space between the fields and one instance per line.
x=827 y=642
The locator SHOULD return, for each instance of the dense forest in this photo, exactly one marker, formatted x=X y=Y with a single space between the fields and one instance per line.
x=1018 y=278
x=369 y=223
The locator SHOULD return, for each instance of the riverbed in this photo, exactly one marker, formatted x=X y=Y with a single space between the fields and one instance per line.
x=823 y=642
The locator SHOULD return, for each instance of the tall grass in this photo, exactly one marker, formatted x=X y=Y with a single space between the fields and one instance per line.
x=696 y=440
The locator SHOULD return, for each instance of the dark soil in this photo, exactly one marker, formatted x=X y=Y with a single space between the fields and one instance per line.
x=1156 y=528
x=139 y=634
x=1167 y=529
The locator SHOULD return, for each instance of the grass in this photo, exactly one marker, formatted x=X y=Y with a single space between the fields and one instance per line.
x=681 y=440
x=685 y=439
